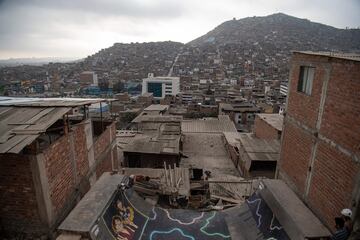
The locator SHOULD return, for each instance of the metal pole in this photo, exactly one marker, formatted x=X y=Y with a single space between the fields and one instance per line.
x=65 y=125
x=166 y=180
x=171 y=180
x=101 y=116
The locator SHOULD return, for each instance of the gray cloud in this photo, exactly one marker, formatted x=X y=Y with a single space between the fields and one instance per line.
x=81 y=27
x=132 y=8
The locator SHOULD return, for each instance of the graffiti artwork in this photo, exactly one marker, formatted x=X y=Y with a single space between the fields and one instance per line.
x=124 y=220
x=185 y=224
x=265 y=219
x=128 y=217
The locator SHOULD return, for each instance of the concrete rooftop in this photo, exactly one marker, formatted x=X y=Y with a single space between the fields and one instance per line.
x=275 y=120
x=207 y=151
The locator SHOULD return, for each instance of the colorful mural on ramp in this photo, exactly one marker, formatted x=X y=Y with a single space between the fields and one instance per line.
x=130 y=217
x=265 y=219
x=122 y=220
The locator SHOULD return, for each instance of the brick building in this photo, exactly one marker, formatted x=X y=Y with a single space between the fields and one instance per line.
x=88 y=78
x=242 y=114
x=146 y=99
x=256 y=154
x=320 y=155
x=48 y=161
x=268 y=126
x=257 y=157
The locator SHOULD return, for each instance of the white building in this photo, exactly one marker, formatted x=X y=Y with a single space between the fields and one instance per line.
x=161 y=86
x=284 y=89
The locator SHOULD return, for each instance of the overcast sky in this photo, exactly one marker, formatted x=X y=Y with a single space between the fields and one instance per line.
x=77 y=28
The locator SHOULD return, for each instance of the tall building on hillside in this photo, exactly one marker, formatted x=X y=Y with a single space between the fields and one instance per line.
x=320 y=155
x=161 y=86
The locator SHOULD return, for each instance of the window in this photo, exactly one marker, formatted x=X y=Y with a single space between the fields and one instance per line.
x=155 y=88
x=306 y=79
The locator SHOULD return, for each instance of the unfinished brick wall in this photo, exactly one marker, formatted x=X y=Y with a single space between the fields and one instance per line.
x=104 y=166
x=319 y=147
x=18 y=205
x=264 y=130
x=332 y=185
x=103 y=148
x=67 y=157
x=81 y=153
x=103 y=141
x=59 y=171
x=301 y=106
x=341 y=118
x=295 y=155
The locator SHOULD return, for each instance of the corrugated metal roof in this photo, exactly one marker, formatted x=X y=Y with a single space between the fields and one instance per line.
x=208 y=125
x=20 y=126
x=155 y=144
x=49 y=102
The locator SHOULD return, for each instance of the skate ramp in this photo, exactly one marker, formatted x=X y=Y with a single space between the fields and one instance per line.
x=130 y=217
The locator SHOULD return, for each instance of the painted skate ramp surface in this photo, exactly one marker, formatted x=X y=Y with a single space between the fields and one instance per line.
x=128 y=216
x=266 y=222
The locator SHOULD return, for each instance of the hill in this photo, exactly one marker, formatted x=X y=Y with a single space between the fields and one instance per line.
x=283 y=31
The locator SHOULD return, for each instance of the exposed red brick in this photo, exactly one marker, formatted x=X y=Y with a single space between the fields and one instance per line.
x=341 y=118
x=59 y=170
x=332 y=183
x=81 y=153
x=103 y=141
x=301 y=106
x=18 y=205
x=104 y=166
x=264 y=130
x=66 y=169
x=295 y=155
x=334 y=172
